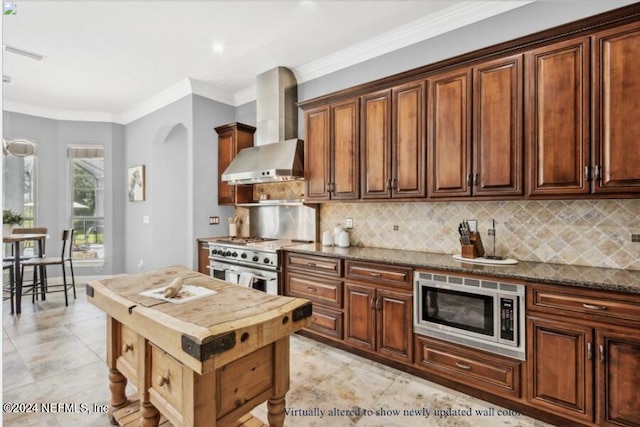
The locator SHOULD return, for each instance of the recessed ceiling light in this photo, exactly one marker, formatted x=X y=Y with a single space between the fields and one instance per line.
x=22 y=52
x=218 y=47
x=6 y=79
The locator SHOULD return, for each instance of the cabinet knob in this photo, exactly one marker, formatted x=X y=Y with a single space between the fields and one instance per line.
x=127 y=347
x=163 y=379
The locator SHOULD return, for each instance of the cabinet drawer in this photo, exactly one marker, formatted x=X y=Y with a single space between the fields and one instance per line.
x=127 y=351
x=308 y=263
x=494 y=374
x=553 y=299
x=327 y=322
x=380 y=273
x=166 y=382
x=323 y=291
x=243 y=380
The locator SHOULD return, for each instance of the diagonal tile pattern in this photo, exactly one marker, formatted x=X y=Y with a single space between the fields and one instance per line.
x=56 y=354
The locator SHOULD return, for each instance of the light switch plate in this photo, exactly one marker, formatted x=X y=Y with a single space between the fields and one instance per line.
x=213 y=220
x=349 y=223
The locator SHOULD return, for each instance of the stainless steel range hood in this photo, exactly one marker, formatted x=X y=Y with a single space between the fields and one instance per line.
x=278 y=154
x=277 y=162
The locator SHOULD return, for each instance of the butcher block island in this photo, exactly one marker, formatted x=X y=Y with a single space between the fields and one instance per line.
x=203 y=358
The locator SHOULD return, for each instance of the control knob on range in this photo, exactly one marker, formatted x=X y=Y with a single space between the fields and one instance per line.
x=255 y=258
x=227 y=253
x=266 y=260
x=234 y=254
x=243 y=256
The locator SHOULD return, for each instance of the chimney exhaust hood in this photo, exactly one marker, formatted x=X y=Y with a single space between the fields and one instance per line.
x=278 y=154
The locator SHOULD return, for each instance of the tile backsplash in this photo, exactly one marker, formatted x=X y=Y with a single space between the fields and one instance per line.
x=580 y=232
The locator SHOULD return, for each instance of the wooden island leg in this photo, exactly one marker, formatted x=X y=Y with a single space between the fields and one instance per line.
x=117 y=385
x=150 y=415
x=277 y=402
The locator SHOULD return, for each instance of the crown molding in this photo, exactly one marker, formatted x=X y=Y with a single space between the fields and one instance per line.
x=56 y=113
x=449 y=19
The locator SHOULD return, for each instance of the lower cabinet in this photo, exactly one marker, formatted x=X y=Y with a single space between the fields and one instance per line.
x=203 y=258
x=488 y=372
x=584 y=364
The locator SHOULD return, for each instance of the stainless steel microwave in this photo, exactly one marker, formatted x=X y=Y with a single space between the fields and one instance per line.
x=483 y=314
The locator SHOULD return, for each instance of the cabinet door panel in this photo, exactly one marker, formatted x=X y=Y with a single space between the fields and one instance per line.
x=408 y=141
x=376 y=145
x=557 y=102
x=226 y=153
x=449 y=134
x=617 y=78
x=618 y=379
x=560 y=372
x=317 y=154
x=497 y=147
x=394 y=325
x=345 y=156
x=361 y=316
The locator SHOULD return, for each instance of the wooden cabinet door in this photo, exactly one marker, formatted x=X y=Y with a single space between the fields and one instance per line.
x=376 y=145
x=449 y=135
x=560 y=363
x=317 y=154
x=617 y=121
x=408 y=154
x=361 y=323
x=394 y=324
x=226 y=153
x=345 y=178
x=203 y=258
x=557 y=118
x=232 y=138
x=497 y=127
x=618 y=376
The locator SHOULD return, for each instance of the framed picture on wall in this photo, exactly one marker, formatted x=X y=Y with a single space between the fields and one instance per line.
x=136 y=183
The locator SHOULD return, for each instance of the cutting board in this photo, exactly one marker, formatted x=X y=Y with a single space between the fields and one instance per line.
x=483 y=260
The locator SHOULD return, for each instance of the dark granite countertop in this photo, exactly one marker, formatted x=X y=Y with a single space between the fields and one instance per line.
x=610 y=279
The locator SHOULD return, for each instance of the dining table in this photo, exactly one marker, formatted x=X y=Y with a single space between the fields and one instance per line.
x=17 y=240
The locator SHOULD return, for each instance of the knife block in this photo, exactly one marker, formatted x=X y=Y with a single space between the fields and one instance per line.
x=475 y=249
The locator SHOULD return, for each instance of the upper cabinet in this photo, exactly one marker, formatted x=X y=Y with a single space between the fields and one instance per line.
x=557 y=94
x=331 y=152
x=392 y=143
x=231 y=139
x=617 y=113
x=475 y=130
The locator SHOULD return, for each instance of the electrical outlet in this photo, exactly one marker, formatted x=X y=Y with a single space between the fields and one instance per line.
x=492 y=231
x=396 y=227
x=349 y=223
x=635 y=238
x=213 y=220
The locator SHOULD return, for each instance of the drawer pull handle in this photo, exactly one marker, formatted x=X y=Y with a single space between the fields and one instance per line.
x=310 y=289
x=127 y=347
x=602 y=353
x=589 y=351
x=375 y=274
x=240 y=402
x=311 y=264
x=162 y=380
x=463 y=366
x=594 y=307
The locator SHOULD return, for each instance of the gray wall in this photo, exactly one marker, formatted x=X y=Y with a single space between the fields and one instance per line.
x=52 y=179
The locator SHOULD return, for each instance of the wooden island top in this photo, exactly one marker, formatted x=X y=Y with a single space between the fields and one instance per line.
x=205 y=362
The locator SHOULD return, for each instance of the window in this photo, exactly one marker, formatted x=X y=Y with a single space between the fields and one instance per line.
x=19 y=187
x=87 y=202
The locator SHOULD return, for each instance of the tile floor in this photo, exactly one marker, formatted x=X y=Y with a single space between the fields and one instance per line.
x=56 y=354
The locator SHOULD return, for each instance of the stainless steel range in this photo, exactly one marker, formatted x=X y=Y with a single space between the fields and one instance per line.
x=256 y=261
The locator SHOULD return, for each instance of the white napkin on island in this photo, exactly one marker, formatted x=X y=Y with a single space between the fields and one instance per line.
x=246 y=280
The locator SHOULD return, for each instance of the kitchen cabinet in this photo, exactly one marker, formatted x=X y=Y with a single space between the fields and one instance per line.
x=318 y=279
x=488 y=372
x=557 y=118
x=331 y=152
x=392 y=143
x=231 y=139
x=583 y=354
x=475 y=118
x=203 y=258
x=379 y=306
x=617 y=110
